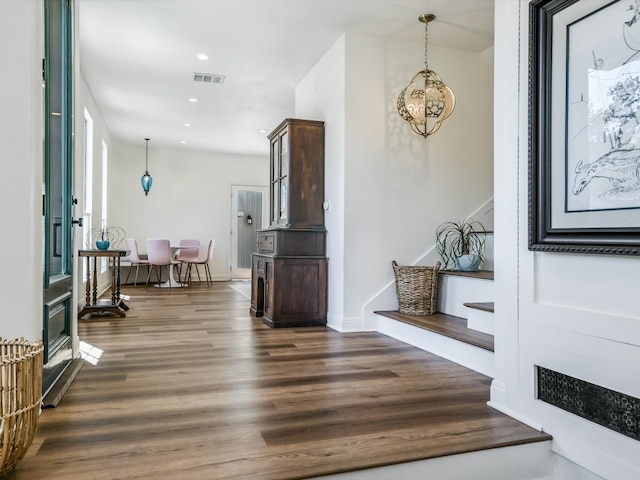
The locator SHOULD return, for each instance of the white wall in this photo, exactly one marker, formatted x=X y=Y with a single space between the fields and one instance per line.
x=84 y=99
x=575 y=314
x=321 y=96
x=21 y=236
x=398 y=186
x=190 y=196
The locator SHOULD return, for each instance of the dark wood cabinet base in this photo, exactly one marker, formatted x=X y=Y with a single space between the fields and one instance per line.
x=294 y=323
x=289 y=291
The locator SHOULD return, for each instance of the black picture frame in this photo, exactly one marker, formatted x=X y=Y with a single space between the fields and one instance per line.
x=554 y=225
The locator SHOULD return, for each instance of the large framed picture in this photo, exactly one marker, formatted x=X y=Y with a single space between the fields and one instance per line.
x=584 y=130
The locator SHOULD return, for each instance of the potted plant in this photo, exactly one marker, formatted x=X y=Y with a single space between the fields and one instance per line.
x=461 y=244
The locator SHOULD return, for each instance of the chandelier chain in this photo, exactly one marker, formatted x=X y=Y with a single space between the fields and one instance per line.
x=426 y=39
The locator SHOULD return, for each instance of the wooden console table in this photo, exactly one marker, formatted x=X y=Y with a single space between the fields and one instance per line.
x=93 y=303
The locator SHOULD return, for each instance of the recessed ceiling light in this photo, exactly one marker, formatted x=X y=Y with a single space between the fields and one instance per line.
x=193 y=100
x=187 y=124
x=183 y=141
x=262 y=130
x=202 y=56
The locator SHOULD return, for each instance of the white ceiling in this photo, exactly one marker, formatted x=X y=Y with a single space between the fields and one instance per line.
x=138 y=58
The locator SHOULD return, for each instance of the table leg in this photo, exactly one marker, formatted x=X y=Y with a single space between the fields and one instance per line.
x=119 y=301
x=113 y=282
x=94 y=280
x=88 y=282
x=172 y=281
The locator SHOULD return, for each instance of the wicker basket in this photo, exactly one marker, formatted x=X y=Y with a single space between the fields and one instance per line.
x=20 y=398
x=417 y=288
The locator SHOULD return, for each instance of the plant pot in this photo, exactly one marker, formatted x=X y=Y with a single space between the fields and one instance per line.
x=469 y=263
x=102 y=244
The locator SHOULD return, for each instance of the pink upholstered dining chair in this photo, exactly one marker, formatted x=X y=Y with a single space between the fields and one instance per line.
x=159 y=255
x=203 y=261
x=134 y=258
x=189 y=253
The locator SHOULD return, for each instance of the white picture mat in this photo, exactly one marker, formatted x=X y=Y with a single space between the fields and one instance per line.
x=595 y=55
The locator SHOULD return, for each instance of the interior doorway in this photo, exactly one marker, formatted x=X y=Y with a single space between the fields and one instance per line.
x=249 y=213
x=58 y=282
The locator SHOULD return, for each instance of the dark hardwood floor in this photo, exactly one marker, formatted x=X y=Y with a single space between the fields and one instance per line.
x=189 y=386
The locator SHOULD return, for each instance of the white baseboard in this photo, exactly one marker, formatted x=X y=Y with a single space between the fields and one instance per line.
x=345 y=324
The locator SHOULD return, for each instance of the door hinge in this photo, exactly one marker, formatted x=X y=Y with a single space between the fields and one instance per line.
x=43 y=69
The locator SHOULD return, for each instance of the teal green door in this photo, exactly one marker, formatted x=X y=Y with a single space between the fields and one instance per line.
x=57 y=190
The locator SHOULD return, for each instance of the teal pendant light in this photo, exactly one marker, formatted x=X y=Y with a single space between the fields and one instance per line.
x=146 y=180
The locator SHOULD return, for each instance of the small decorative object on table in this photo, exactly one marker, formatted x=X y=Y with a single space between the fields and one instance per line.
x=417 y=288
x=102 y=244
x=105 y=237
x=461 y=244
x=20 y=398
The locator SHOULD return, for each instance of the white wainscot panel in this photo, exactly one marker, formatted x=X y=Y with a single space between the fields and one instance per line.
x=595 y=296
x=598 y=283
x=575 y=319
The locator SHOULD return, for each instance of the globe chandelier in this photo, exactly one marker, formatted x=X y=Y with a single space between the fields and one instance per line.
x=426 y=101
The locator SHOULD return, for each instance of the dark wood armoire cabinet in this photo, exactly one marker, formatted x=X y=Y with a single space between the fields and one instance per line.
x=289 y=271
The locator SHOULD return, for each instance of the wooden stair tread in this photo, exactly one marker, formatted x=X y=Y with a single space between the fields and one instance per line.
x=447 y=325
x=483 y=274
x=485 y=306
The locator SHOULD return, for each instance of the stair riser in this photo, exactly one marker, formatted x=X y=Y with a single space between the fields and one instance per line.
x=470 y=356
x=480 y=320
x=454 y=291
x=522 y=462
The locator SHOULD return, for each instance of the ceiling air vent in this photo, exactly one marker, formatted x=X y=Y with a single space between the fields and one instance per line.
x=208 y=78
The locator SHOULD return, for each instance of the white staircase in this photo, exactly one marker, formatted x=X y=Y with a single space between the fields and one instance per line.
x=465 y=312
x=462 y=331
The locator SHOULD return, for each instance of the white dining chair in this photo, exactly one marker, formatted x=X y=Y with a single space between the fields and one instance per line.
x=134 y=258
x=189 y=252
x=202 y=261
x=159 y=255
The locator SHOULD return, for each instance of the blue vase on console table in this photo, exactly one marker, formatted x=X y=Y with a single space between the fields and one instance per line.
x=102 y=244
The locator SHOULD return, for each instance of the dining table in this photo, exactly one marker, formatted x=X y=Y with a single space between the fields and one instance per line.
x=172 y=282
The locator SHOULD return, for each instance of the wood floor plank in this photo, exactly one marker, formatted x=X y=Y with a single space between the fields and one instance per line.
x=189 y=385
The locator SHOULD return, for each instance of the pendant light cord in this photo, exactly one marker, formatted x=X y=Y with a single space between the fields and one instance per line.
x=146 y=165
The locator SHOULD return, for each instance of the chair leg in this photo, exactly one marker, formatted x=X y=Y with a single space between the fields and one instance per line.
x=207 y=273
x=151 y=267
x=158 y=269
x=129 y=273
x=135 y=281
x=187 y=273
